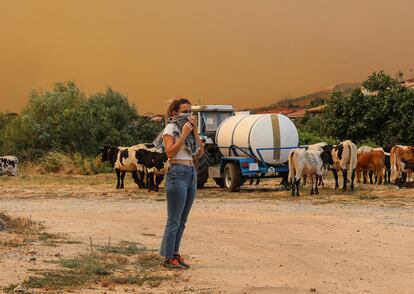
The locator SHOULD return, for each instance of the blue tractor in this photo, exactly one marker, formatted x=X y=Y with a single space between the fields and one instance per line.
x=243 y=147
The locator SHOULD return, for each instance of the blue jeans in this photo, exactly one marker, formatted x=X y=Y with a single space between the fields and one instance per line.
x=181 y=187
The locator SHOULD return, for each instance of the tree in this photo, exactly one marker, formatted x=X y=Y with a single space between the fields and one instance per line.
x=63 y=119
x=384 y=116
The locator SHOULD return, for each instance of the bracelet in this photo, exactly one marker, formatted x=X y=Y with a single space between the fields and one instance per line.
x=182 y=137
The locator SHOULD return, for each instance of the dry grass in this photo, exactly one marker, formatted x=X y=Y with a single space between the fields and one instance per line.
x=24 y=231
x=106 y=265
x=62 y=163
x=20 y=225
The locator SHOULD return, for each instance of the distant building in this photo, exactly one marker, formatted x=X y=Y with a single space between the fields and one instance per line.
x=407 y=83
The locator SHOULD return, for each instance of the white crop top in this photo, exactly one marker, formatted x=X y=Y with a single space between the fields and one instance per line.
x=183 y=153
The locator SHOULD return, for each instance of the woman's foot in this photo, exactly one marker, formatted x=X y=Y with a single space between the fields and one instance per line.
x=181 y=260
x=173 y=263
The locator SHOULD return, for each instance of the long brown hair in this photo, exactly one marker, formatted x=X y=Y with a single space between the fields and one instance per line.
x=175 y=106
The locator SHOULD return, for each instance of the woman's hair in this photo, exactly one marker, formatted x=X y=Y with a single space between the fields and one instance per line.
x=175 y=106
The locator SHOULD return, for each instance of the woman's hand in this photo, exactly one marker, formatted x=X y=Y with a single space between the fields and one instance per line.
x=192 y=120
x=187 y=129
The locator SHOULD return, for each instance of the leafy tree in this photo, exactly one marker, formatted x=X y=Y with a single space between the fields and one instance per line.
x=384 y=116
x=380 y=81
x=64 y=120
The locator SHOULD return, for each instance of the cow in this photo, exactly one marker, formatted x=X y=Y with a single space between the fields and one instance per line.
x=400 y=157
x=111 y=154
x=372 y=161
x=155 y=164
x=345 y=158
x=387 y=167
x=309 y=162
x=9 y=165
x=317 y=147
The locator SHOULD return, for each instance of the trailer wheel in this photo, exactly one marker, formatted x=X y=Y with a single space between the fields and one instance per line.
x=232 y=177
x=219 y=182
x=202 y=170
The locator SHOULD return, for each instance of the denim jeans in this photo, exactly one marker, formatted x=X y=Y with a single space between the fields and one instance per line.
x=180 y=186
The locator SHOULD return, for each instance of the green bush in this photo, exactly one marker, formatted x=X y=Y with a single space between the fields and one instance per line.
x=307 y=138
x=58 y=162
x=66 y=121
x=54 y=162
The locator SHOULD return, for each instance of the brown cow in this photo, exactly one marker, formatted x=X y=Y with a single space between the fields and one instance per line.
x=371 y=161
x=400 y=156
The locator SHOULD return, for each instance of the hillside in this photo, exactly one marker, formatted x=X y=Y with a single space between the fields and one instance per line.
x=306 y=100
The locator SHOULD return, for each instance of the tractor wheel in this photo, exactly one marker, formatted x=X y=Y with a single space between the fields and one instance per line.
x=232 y=177
x=219 y=182
x=202 y=170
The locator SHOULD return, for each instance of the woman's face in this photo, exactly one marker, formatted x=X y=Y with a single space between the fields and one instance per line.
x=184 y=109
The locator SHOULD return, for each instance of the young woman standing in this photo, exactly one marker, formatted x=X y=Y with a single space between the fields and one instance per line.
x=181 y=180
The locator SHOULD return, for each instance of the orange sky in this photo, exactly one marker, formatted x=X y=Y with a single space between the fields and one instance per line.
x=241 y=52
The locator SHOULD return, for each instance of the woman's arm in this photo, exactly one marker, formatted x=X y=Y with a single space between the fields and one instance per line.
x=171 y=147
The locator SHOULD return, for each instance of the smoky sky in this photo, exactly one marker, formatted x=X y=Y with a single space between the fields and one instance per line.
x=242 y=52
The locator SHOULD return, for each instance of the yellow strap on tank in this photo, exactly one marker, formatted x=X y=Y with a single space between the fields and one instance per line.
x=276 y=136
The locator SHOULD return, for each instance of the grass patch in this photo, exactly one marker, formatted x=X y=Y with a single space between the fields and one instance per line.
x=25 y=230
x=20 y=225
x=123 y=248
x=124 y=264
x=63 y=163
x=90 y=265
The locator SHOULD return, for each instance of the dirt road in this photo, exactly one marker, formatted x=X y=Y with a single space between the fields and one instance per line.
x=241 y=245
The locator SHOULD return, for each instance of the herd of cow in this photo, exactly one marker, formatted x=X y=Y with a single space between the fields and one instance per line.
x=315 y=160
x=148 y=165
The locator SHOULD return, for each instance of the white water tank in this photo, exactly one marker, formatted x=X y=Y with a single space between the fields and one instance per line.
x=258 y=131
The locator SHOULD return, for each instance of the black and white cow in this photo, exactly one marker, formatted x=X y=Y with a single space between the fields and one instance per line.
x=124 y=159
x=345 y=158
x=113 y=154
x=155 y=166
x=9 y=165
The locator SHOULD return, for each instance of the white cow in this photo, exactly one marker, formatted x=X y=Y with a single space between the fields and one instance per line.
x=317 y=147
x=309 y=162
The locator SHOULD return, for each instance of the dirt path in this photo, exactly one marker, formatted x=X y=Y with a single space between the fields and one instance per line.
x=246 y=246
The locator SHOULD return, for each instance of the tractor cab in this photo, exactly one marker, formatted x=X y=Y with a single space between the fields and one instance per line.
x=209 y=118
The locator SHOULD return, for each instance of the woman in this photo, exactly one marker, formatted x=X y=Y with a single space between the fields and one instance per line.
x=181 y=182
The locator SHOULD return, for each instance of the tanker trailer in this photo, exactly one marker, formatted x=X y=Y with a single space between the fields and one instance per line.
x=245 y=146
